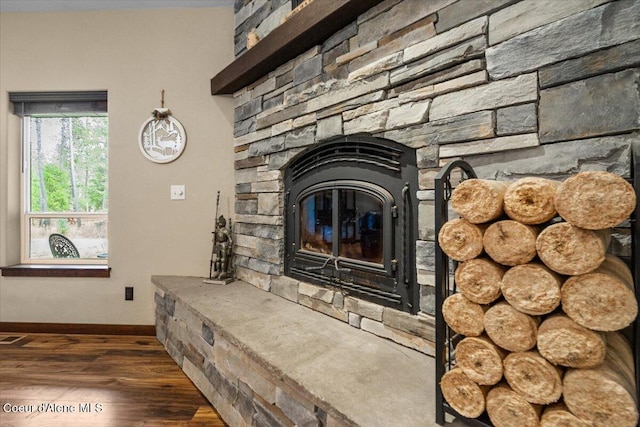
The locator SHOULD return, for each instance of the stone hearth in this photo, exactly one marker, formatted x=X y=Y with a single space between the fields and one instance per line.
x=263 y=361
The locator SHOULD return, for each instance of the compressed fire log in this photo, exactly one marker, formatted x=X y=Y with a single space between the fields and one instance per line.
x=603 y=300
x=558 y=415
x=464 y=395
x=531 y=375
x=563 y=342
x=463 y=316
x=595 y=200
x=530 y=200
x=532 y=288
x=510 y=243
x=479 y=280
x=478 y=200
x=506 y=408
x=460 y=239
x=605 y=395
x=572 y=250
x=480 y=359
x=510 y=328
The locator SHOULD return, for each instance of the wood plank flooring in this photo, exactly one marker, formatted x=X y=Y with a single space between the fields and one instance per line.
x=96 y=380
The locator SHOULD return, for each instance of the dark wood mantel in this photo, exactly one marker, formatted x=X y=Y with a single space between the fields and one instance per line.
x=310 y=26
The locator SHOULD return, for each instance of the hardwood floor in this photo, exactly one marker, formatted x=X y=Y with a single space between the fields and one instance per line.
x=96 y=380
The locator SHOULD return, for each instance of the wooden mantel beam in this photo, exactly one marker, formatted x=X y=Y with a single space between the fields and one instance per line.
x=312 y=25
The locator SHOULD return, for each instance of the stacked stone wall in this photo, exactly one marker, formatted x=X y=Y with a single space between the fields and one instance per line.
x=516 y=88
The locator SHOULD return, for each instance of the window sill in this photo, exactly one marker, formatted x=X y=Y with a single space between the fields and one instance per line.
x=46 y=270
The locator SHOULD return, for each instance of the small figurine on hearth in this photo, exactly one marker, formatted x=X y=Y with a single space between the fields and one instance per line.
x=220 y=268
x=223 y=243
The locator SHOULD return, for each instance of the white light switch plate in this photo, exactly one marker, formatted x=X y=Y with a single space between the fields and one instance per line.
x=177 y=192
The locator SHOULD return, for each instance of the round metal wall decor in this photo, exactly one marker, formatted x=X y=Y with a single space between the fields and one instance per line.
x=162 y=137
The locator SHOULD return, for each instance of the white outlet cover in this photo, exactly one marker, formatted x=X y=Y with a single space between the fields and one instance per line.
x=178 y=192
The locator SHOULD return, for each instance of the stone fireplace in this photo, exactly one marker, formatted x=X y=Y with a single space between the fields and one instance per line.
x=336 y=149
x=439 y=79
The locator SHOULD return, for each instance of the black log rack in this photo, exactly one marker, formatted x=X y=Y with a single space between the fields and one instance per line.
x=446 y=339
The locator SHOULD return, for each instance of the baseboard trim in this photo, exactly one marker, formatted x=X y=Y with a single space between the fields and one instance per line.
x=78 y=328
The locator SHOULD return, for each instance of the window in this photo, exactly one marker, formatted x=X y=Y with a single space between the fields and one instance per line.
x=64 y=177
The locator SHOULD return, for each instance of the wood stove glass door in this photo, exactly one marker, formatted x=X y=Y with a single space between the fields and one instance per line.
x=344 y=233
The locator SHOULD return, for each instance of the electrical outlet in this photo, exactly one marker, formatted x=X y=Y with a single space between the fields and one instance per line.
x=128 y=293
x=178 y=192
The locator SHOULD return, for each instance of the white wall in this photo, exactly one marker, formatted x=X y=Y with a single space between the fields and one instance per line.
x=133 y=54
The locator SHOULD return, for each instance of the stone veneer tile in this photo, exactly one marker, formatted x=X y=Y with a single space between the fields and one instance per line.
x=266 y=186
x=559 y=160
x=316 y=292
x=426 y=220
x=285 y=287
x=396 y=42
x=343 y=59
x=608 y=25
x=408 y=114
x=504 y=143
x=374 y=122
x=383 y=64
x=427 y=157
x=282 y=127
x=257 y=279
x=408 y=340
x=466 y=10
x=421 y=326
x=354 y=320
x=425 y=254
x=328 y=127
x=369 y=108
x=351 y=104
x=426 y=178
x=252 y=137
x=267 y=86
x=478 y=125
x=294 y=410
x=443 y=76
x=363 y=308
x=529 y=14
x=339 y=37
x=600 y=105
x=502 y=93
x=444 y=40
x=269 y=204
x=449 y=57
x=600 y=62
x=307 y=70
x=224 y=408
x=517 y=119
x=272 y=21
x=323 y=307
x=459 y=83
x=397 y=17
x=304 y=120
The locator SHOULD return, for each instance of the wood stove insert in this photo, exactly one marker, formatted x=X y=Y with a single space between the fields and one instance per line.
x=351 y=219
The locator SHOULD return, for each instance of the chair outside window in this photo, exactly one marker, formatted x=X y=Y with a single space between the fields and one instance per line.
x=62 y=247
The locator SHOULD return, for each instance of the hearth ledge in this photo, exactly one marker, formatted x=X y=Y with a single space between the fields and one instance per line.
x=256 y=355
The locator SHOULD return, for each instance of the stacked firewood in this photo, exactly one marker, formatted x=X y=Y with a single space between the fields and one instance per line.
x=541 y=304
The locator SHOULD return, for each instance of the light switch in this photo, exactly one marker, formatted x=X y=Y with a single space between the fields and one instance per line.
x=177 y=192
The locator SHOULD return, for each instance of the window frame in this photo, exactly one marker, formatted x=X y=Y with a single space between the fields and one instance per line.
x=28 y=105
